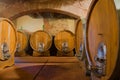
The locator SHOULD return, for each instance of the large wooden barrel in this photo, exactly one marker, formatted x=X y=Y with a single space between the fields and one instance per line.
x=64 y=37
x=8 y=41
x=40 y=38
x=102 y=40
x=79 y=40
x=22 y=42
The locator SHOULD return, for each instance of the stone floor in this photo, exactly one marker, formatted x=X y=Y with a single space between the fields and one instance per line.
x=45 y=68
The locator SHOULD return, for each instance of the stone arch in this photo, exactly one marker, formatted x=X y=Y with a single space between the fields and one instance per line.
x=12 y=17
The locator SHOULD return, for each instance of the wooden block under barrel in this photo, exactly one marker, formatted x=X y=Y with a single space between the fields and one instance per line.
x=69 y=54
x=36 y=53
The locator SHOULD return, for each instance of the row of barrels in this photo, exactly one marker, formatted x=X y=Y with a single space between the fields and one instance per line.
x=12 y=41
x=41 y=41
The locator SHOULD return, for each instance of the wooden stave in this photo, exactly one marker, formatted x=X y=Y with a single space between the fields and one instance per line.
x=56 y=42
x=10 y=61
x=44 y=32
x=116 y=69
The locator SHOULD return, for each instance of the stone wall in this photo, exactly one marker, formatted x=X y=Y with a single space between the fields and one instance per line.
x=52 y=25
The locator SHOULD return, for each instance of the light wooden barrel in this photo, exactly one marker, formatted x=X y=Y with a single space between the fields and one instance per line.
x=102 y=40
x=22 y=43
x=8 y=41
x=40 y=37
x=22 y=40
x=64 y=36
x=79 y=40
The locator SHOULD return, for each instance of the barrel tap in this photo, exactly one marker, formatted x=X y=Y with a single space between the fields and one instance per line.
x=5 y=53
x=100 y=68
x=41 y=47
x=65 y=47
x=18 y=47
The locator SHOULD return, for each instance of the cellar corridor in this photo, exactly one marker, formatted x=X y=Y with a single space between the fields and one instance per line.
x=45 y=68
x=59 y=39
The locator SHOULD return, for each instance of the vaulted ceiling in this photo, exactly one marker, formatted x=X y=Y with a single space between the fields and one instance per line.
x=13 y=8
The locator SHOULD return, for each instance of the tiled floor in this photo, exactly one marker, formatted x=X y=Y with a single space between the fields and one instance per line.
x=45 y=68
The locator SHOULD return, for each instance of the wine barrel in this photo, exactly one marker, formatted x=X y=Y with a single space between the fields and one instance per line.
x=65 y=41
x=8 y=42
x=22 y=43
x=40 y=41
x=102 y=40
x=79 y=40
